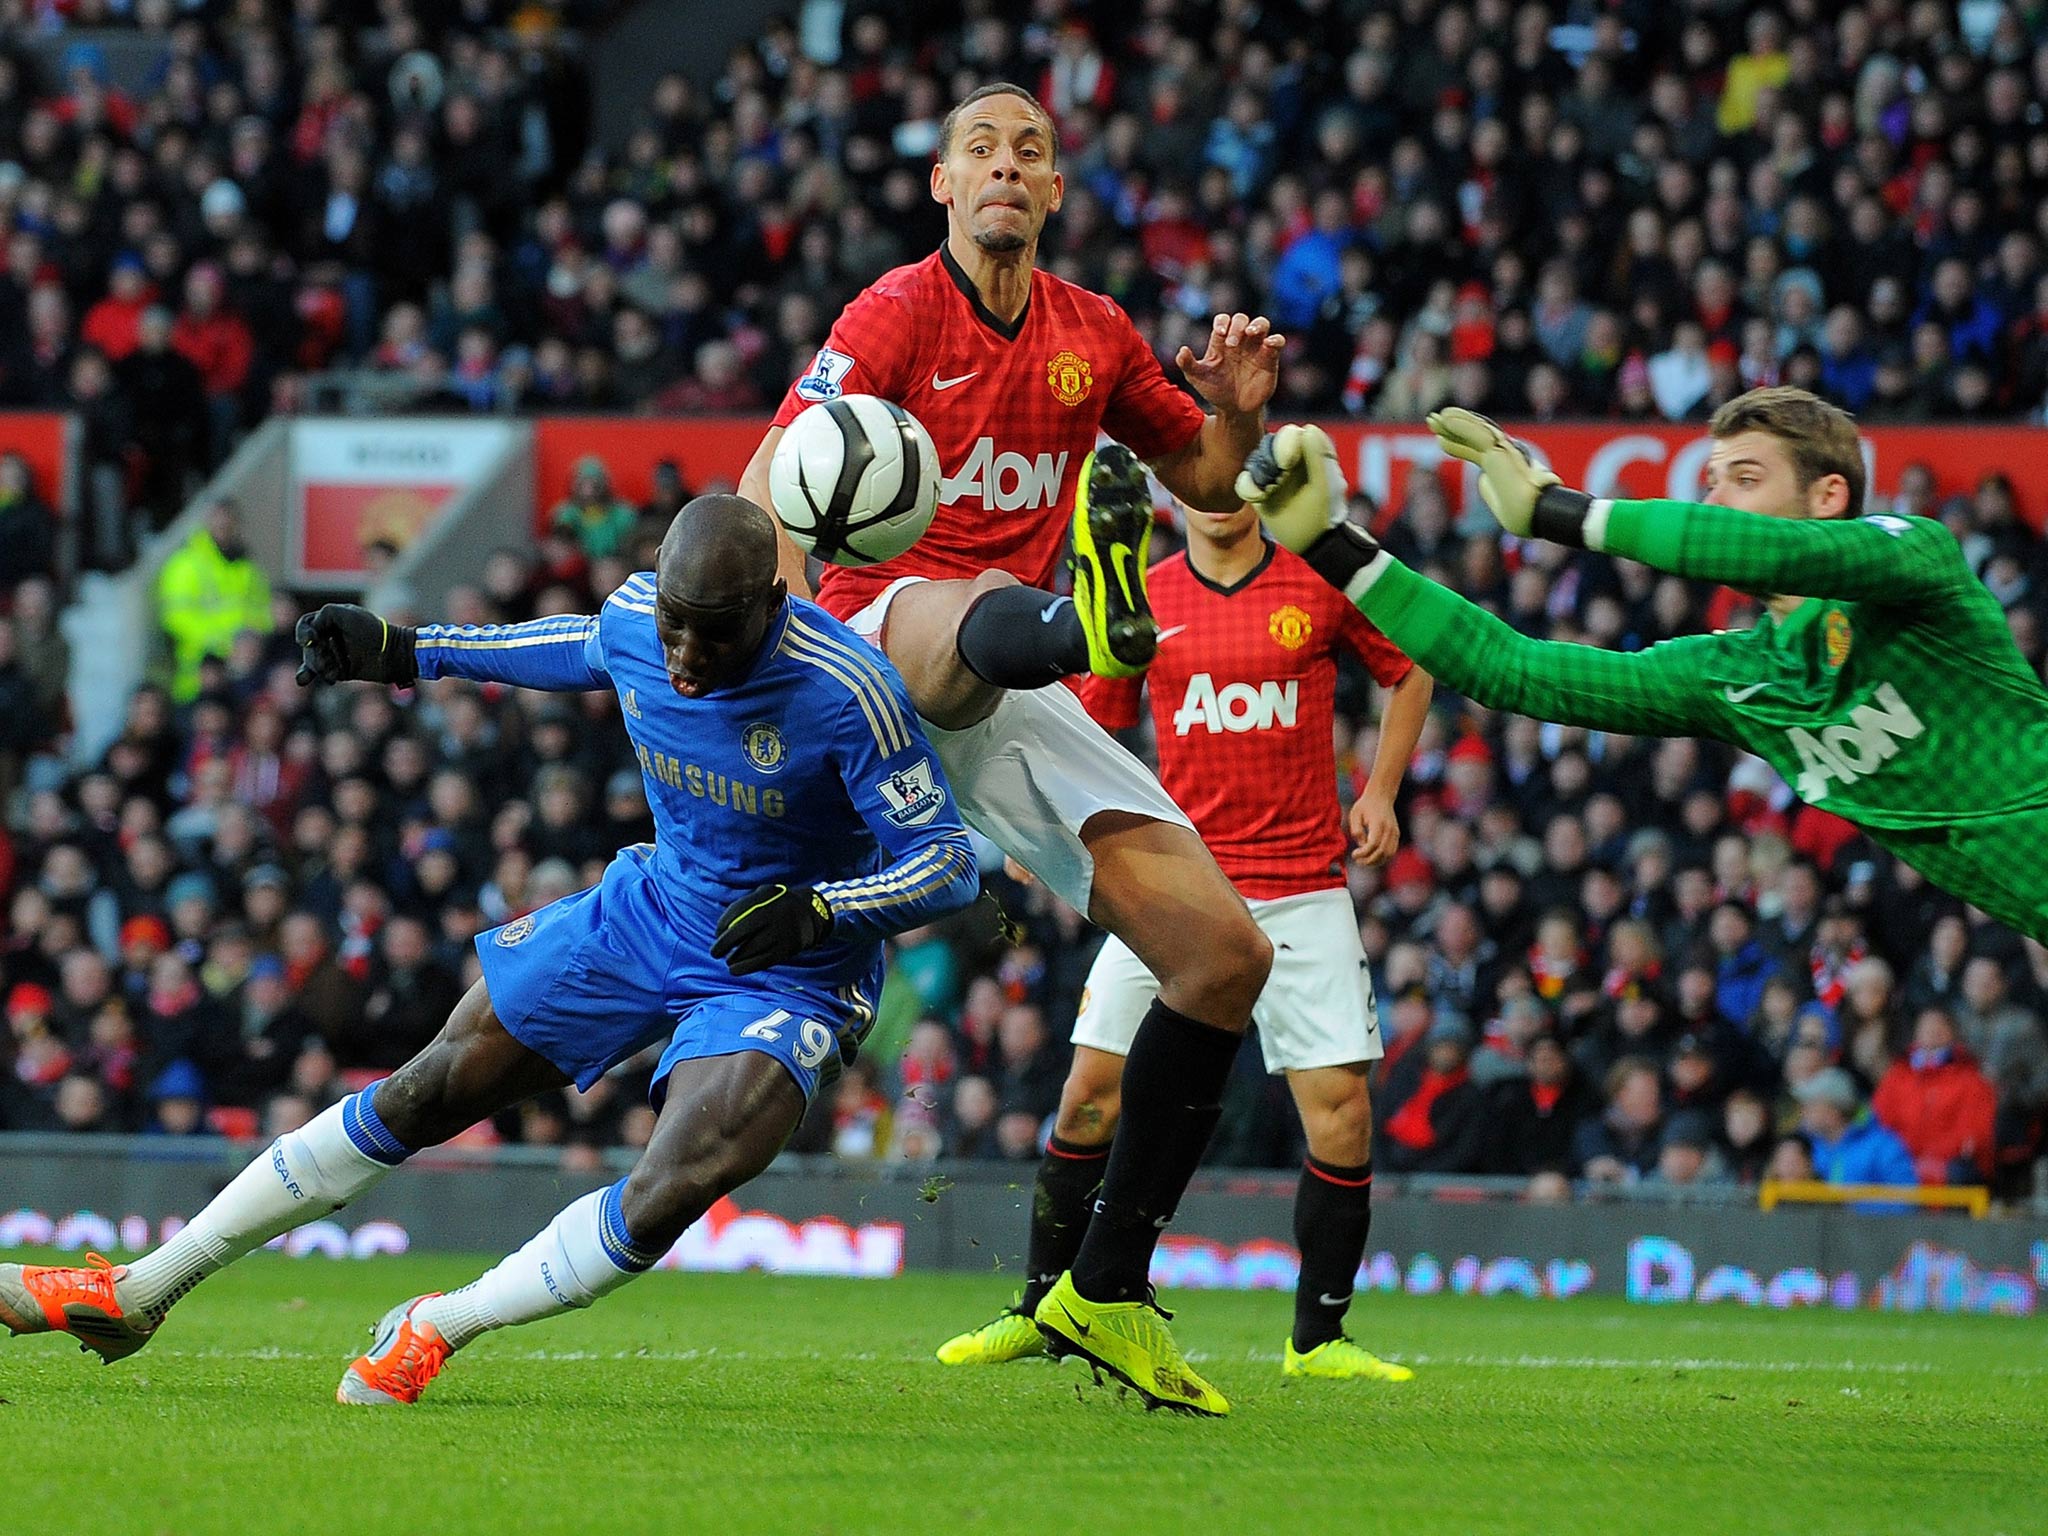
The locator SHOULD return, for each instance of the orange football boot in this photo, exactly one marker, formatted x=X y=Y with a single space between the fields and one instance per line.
x=403 y=1359
x=85 y=1303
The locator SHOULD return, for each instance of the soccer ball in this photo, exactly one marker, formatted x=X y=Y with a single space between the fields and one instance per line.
x=855 y=480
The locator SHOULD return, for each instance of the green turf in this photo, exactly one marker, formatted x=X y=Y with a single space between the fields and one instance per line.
x=798 y=1406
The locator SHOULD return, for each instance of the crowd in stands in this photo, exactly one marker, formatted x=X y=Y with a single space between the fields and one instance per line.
x=1622 y=210
x=1599 y=960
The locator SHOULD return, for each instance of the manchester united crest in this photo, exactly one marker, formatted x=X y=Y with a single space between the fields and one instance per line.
x=1070 y=377
x=1290 y=627
x=1838 y=638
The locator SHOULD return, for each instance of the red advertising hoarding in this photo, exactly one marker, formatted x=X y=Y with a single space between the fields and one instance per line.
x=44 y=439
x=1609 y=459
x=711 y=451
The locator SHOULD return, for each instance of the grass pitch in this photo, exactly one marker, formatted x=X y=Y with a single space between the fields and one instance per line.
x=791 y=1406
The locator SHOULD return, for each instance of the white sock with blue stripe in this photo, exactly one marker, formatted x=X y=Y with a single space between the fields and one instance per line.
x=300 y=1177
x=584 y=1253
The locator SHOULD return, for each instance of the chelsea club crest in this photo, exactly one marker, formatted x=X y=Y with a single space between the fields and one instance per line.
x=764 y=747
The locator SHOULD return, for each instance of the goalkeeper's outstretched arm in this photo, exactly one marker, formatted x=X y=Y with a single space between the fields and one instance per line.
x=1662 y=691
x=1882 y=559
x=1905 y=560
x=1293 y=480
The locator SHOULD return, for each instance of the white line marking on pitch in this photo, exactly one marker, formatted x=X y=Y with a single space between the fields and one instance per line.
x=1485 y=1362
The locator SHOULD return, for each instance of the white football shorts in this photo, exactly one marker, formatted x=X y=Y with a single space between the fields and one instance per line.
x=1030 y=775
x=1317 y=1009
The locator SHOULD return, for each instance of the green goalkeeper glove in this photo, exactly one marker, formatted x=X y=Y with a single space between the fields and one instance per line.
x=1529 y=500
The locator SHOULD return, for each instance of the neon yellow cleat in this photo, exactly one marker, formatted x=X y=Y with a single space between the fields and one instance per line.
x=1011 y=1336
x=1130 y=1340
x=1342 y=1360
x=1112 y=527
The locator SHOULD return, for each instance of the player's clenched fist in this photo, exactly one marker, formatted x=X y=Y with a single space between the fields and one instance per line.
x=1509 y=480
x=343 y=643
x=771 y=925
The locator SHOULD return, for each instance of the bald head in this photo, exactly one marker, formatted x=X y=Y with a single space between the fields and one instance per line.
x=718 y=553
x=715 y=591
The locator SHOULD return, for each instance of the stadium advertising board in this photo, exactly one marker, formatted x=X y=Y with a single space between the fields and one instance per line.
x=43 y=438
x=1230 y=1236
x=1660 y=461
x=1605 y=458
x=359 y=483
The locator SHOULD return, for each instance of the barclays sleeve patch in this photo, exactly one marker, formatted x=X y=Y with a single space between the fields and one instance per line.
x=822 y=380
x=910 y=795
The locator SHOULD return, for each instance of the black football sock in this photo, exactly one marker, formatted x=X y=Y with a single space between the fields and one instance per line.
x=1022 y=637
x=1068 y=1177
x=1173 y=1091
x=1332 y=1219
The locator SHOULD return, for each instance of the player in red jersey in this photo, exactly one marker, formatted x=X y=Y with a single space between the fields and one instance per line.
x=1015 y=372
x=1243 y=696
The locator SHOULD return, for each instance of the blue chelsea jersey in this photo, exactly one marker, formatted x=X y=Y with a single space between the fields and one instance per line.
x=811 y=768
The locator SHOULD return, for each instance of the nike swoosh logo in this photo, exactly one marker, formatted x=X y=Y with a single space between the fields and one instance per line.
x=1737 y=695
x=1167 y=634
x=1079 y=1326
x=1050 y=611
x=939 y=383
x=1335 y=1301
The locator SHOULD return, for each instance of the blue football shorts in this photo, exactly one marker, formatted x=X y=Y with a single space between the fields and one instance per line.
x=599 y=976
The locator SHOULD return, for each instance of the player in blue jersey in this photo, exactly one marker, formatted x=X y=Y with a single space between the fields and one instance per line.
x=800 y=817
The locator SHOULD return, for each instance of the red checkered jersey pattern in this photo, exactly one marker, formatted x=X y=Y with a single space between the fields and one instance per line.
x=1243 y=692
x=1012 y=411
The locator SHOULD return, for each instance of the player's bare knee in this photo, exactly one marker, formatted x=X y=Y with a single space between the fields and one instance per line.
x=1340 y=1131
x=1088 y=1118
x=985 y=583
x=1232 y=970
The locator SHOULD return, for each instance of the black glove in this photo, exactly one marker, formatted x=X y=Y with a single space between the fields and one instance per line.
x=771 y=925
x=343 y=643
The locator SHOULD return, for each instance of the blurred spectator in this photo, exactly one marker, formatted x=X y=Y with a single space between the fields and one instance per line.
x=598 y=521
x=1535 y=1119
x=1441 y=1127
x=209 y=592
x=28 y=526
x=1848 y=1145
x=1939 y=1105
x=216 y=342
x=1686 y=1154
x=972 y=1131
x=1623 y=1143
x=2006 y=1039
x=1746 y=1137
x=170 y=429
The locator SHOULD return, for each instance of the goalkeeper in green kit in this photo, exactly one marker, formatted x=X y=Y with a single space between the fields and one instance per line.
x=1888 y=689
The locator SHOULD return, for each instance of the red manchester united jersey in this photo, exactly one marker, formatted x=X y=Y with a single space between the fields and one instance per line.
x=1012 y=409
x=1243 y=693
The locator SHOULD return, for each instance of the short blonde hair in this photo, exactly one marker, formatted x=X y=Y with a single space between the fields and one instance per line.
x=1820 y=437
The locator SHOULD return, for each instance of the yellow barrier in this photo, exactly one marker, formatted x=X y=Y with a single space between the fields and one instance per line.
x=1974 y=1198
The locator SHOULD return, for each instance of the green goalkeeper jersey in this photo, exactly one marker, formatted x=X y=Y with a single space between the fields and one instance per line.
x=1893 y=696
